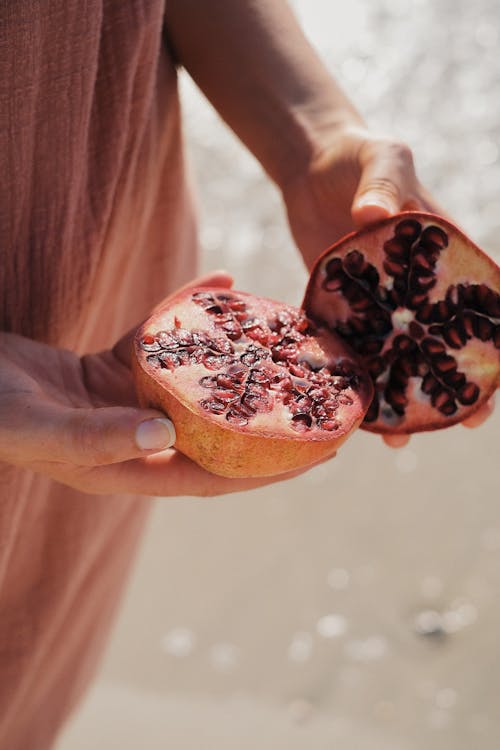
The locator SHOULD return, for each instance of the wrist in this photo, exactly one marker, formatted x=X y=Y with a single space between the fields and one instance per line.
x=313 y=132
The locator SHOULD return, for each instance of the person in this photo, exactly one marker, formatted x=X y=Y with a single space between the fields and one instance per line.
x=97 y=224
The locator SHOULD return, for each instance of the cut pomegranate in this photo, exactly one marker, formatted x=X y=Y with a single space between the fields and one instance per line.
x=420 y=304
x=252 y=386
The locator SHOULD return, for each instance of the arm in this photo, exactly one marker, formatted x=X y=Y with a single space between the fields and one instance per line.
x=252 y=61
x=78 y=422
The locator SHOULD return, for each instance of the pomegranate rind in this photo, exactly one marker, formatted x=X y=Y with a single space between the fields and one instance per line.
x=228 y=450
x=461 y=262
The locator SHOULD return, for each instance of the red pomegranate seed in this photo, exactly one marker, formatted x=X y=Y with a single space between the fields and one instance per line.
x=213 y=406
x=468 y=394
x=302 y=422
x=329 y=424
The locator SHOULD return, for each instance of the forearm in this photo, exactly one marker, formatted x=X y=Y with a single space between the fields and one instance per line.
x=252 y=61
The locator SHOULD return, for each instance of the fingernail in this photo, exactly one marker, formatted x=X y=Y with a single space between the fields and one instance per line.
x=155 y=434
x=373 y=201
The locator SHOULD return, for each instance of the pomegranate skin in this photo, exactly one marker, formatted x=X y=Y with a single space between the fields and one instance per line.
x=268 y=443
x=420 y=304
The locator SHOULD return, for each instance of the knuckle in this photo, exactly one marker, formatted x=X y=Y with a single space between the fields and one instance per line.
x=395 y=150
x=403 y=153
x=383 y=186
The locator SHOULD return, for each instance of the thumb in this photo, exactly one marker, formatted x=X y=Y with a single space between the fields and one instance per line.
x=85 y=437
x=93 y=437
x=387 y=172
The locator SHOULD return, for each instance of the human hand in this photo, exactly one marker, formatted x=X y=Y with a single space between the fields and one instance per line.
x=77 y=420
x=354 y=180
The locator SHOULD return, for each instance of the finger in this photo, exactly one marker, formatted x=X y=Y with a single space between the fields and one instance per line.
x=171 y=474
x=396 y=441
x=387 y=179
x=481 y=415
x=122 y=350
x=84 y=437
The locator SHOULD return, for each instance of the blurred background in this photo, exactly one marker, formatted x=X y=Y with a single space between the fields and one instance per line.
x=358 y=606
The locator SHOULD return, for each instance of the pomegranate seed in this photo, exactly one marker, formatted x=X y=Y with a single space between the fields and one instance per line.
x=444 y=363
x=256 y=389
x=354 y=262
x=429 y=384
x=302 y=422
x=454 y=379
x=416 y=330
x=302 y=325
x=213 y=406
x=442 y=311
x=237 y=418
x=392 y=268
x=149 y=344
x=256 y=403
x=214 y=310
x=334 y=283
x=297 y=370
x=226 y=396
x=454 y=335
x=408 y=229
x=333 y=266
x=434 y=237
x=440 y=397
x=425 y=312
x=422 y=264
x=184 y=337
x=433 y=347
x=483 y=328
x=202 y=297
x=396 y=250
x=259 y=376
x=329 y=424
x=233 y=330
x=468 y=394
x=214 y=362
x=258 y=334
x=395 y=397
x=169 y=360
x=330 y=405
x=209 y=381
x=237 y=305
x=300 y=406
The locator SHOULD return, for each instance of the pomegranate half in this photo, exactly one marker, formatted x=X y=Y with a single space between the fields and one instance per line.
x=420 y=305
x=252 y=386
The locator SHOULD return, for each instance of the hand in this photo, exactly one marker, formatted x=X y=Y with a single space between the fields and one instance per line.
x=77 y=420
x=355 y=180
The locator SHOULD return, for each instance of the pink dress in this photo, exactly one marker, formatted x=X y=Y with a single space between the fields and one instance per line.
x=96 y=225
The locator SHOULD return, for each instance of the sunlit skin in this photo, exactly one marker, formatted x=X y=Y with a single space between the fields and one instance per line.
x=64 y=420
x=333 y=173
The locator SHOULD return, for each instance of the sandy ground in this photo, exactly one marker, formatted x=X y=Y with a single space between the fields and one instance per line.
x=355 y=607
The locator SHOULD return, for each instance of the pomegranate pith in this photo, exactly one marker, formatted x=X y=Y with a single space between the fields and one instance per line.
x=252 y=386
x=420 y=305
